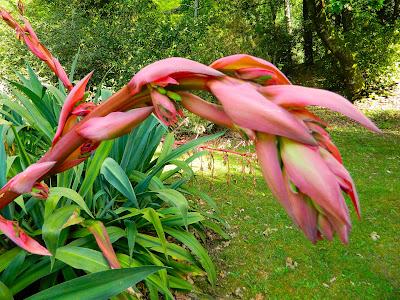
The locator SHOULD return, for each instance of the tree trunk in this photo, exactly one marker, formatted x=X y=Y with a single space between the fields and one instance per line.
x=196 y=8
x=307 y=35
x=335 y=44
x=289 y=30
x=288 y=16
x=274 y=12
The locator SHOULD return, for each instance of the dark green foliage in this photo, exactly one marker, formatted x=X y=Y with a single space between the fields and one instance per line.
x=101 y=285
x=137 y=192
x=120 y=37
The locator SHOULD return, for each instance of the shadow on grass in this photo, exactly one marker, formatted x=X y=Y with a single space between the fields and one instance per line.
x=268 y=257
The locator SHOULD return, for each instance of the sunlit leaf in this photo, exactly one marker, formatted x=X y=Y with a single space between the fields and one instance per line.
x=55 y=223
x=70 y=194
x=97 y=286
x=197 y=249
x=116 y=176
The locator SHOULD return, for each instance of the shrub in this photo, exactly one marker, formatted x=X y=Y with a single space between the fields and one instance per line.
x=144 y=209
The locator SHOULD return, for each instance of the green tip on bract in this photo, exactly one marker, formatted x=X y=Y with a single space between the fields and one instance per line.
x=161 y=90
x=86 y=95
x=174 y=96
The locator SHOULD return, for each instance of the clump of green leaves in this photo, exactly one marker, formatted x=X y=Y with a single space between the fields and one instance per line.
x=132 y=187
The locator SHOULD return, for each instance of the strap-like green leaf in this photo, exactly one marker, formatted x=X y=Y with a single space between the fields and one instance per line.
x=34 y=273
x=94 y=166
x=70 y=194
x=216 y=228
x=141 y=145
x=25 y=160
x=167 y=148
x=73 y=66
x=178 y=283
x=116 y=176
x=8 y=256
x=151 y=215
x=188 y=146
x=172 y=221
x=155 y=182
x=169 y=173
x=55 y=223
x=131 y=234
x=174 y=198
x=82 y=258
x=97 y=286
x=35 y=104
x=154 y=279
x=5 y=293
x=202 y=195
x=3 y=159
x=35 y=85
x=13 y=269
x=20 y=202
x=173 y=250
x=159 y=164
x=193 y=244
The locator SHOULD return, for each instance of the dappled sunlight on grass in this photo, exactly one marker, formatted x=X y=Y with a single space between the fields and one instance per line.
x=268 y=256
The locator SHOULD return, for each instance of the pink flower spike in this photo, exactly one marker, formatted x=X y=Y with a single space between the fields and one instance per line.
x=163 y=82
x=249 y=109
x=113 y=125
x=242 y=61
x=83 y=109
x=324 y=140
x=346 y=181
x=88 y=148
x=168 y=68
x=193 y=83
x=74 y=96
x=253 y=73
x=308 y=171
x=341 y=229
x=325 y=227
x=40 y=190
x=209 y=111
x=164 y=108
x=60 y=72
x=308 y=116
x=68 y=164
x=28 y=28
x=268 y=157
x=5 y=15
x=262 y=76
x=14 y=232
x=304 y=213
x=25 y=181
x=299 y=96
x=35 y=48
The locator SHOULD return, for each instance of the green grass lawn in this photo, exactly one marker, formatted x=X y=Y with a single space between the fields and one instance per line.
x=267 y=257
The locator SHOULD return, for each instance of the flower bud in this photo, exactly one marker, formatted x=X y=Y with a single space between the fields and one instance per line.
x=113 y=125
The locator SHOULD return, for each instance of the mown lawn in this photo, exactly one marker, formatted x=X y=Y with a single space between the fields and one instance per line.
x=267 y=257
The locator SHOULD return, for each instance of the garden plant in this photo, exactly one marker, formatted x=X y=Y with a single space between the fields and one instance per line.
x=136 y=213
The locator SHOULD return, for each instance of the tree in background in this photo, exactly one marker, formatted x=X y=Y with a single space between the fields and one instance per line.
x=361 y=42
x=352 y=46
x=307 y=35
x=333 y=42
